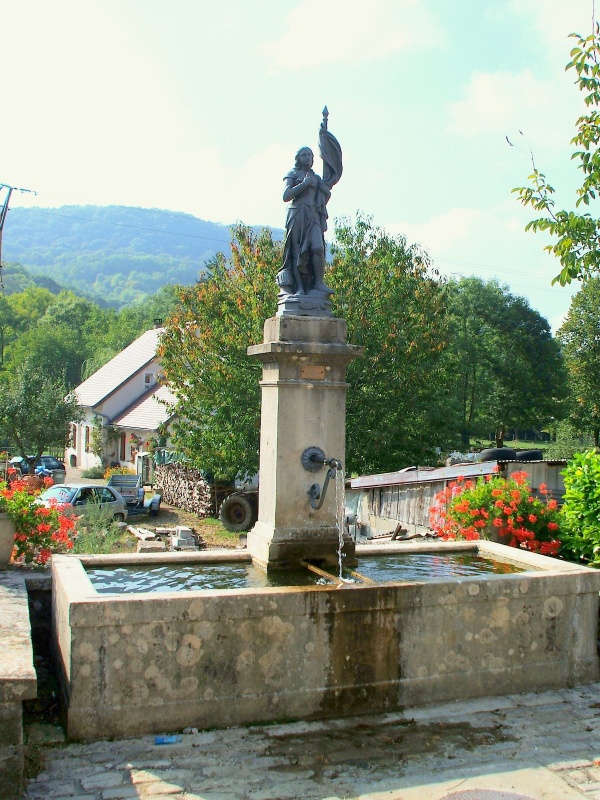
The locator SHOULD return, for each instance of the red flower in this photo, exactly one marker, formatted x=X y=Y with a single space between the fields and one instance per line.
x=553 y=526
x=497 y=523
x=532 y=518
x=543 y=489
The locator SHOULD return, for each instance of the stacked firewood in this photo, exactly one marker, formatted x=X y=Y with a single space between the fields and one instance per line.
x=183 y=487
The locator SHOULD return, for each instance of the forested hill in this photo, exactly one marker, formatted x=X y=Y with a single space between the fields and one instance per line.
x=112 y=254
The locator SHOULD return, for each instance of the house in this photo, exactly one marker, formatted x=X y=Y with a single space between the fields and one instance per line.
x=124 y=407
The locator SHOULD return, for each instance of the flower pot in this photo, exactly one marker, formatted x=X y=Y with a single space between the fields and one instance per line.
x=7 y=539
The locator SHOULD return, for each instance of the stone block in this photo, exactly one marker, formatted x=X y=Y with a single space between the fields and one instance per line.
x=150 y=546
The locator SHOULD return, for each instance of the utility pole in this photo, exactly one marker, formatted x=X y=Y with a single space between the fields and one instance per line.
x=3 y=213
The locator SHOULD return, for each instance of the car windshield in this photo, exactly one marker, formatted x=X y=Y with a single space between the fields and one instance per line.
x=62 y=494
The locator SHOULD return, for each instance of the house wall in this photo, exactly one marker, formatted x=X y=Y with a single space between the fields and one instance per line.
x=110 y=408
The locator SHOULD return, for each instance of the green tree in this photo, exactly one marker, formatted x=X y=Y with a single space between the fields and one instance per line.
x=580 y=337
x=204 y=358
x=578 y=234
x=395 y=307
x=35 y=412
x=56 y=351
x=508 y=367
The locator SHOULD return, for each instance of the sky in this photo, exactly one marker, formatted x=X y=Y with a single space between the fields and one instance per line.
x=199 y=107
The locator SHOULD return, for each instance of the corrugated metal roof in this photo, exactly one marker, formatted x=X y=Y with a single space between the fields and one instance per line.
x=423 y=475
x=113 y=374
x=148 y=411
x=411 y=476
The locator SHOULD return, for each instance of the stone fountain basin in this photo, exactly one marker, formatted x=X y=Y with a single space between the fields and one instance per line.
x=150 y=663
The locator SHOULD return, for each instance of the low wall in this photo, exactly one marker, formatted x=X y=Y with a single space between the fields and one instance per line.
x=136 y=664
x=17 y=680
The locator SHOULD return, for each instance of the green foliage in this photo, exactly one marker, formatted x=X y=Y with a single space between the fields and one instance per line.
x=508 y=368
x=493 y=506
x=36 y=411
x=93 y=473
x=580 y=338
x=568 y=441
x=394 y=307
x=97 y=532
x=40 y=531
x=112 y=254
x=204 y=356
x=578 y=234
x=581 y=509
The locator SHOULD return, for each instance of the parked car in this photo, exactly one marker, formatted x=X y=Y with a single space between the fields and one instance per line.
x=83 y=496
x=48 y=463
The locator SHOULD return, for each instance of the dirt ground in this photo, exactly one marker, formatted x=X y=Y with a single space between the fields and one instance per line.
x=211 y=531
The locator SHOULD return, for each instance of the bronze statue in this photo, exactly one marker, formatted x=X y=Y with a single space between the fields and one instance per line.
x=301 y=278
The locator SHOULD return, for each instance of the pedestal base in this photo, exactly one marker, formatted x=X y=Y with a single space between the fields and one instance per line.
x=303 y=406
x=284 y=549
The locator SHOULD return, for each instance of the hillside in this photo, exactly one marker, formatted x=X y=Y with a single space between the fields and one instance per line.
x=115 y=255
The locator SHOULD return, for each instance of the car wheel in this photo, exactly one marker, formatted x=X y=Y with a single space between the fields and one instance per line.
x=237 y=513
x=119 y=517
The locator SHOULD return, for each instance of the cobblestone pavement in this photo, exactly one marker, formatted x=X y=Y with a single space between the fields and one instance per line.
x=543 y=746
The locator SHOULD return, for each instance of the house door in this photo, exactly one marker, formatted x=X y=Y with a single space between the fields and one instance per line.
x=122 y=443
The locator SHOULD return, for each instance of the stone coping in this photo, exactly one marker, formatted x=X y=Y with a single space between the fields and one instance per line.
x=17 y=674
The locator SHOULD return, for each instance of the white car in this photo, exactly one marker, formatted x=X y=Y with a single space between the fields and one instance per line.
x=80 y=495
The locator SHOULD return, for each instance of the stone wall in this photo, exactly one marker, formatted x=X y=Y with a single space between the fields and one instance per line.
x=17 y=680
x=153 y=663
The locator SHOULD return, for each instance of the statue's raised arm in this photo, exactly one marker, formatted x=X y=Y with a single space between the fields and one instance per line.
x=301 y=278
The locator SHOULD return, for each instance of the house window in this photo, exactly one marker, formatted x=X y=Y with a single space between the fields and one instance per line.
x=73 y=436
x=148 y=379
x=122 y=443
x=87 y=438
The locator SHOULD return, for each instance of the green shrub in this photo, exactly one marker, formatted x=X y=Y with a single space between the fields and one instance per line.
x=97 y=531
x=581 y=509
x=93 y=473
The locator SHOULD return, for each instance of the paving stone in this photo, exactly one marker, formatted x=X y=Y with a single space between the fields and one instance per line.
x=151 y=776
x=102 y=780
x=51 y=789
x=77 y=797
x=160 y=788
x=120 y=793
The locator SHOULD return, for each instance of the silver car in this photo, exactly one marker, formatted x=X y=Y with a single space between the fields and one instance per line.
x=82 y=495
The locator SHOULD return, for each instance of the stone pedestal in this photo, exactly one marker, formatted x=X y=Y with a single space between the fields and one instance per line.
x=303 y=405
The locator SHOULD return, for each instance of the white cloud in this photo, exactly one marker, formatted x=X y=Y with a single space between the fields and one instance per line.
x=493 y=246
x=554 y=20
x=323 y=31
x=504 y=102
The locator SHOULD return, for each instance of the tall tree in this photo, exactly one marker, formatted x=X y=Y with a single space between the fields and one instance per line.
x=35 y=412
x=204 y=358
x=580 y=337
x=393 y=307
x=578 y=234
x=508 y=367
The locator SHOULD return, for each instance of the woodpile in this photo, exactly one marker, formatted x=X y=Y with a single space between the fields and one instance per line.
x=183 y=487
